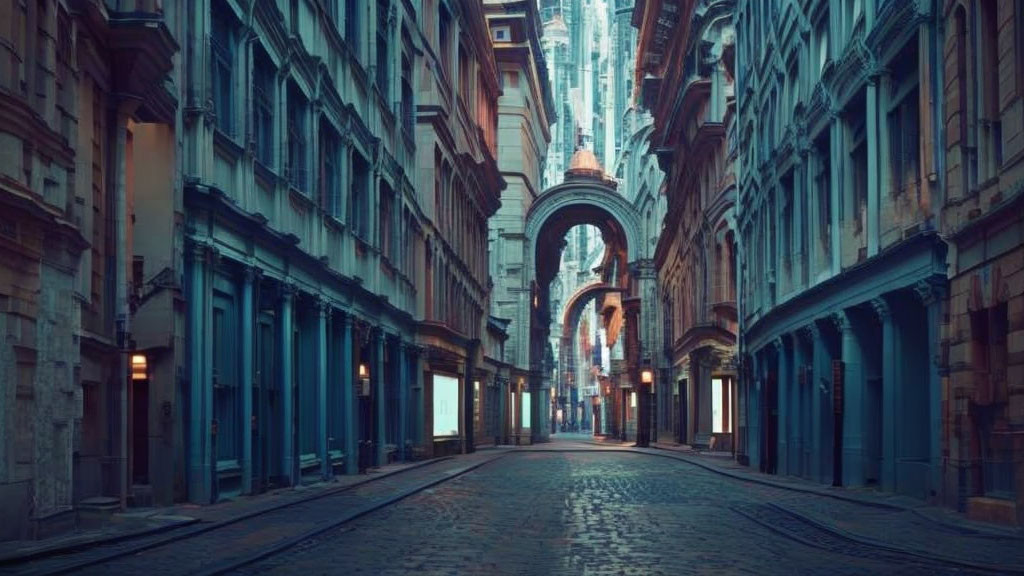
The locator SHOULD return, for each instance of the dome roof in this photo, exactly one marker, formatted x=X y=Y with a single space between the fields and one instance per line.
x=584 y=165
x=584 y=159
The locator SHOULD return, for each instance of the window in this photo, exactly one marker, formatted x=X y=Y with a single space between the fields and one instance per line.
x=446 y=405
x=445 y=40
x=856 y=206
x=263 y=108
x=821 y=35
x=787 y=221
x=408 y=104
x=904 y=130
x=383 y=55
x=386 y=230
x=465 y=76
x=501 y=33
x=965 y=92
x=721 y=406
x=352 y=25
x=222 y=46
x=822 y=180
x=330 y=172
x=297 y=160
x=990 y=128
x=359 y=216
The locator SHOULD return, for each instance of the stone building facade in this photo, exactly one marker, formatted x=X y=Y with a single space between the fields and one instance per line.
x=982 y=346
x=841 y=269
x=254 y=266
x=685 y=64
x=526 y=111
x=79 y=83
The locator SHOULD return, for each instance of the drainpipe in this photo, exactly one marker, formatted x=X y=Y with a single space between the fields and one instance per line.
x=122 y=314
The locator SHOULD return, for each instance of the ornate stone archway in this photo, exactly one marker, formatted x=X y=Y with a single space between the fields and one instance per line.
x=588 y=196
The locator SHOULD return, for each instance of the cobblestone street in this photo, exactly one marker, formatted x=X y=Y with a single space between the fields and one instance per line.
x=581 y=511
x=572 y=506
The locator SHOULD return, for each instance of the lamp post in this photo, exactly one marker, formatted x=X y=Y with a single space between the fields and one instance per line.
x=365 y=446
x=643 y=436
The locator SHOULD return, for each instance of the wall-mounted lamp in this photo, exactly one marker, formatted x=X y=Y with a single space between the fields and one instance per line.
x=647 y=376
x=364 y=371
x=139 y=367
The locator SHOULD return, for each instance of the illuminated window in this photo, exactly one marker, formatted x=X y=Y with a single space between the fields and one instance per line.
x=446 y=405
x=721 y=406
x=525 y=418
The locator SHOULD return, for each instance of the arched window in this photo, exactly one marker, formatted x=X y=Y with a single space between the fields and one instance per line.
x=990 y=130
x=969 y=170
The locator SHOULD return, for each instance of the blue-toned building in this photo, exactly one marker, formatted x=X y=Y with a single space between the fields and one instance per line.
x=841 y=269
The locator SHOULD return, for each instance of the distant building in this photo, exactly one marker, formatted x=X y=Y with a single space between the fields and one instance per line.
x=526 y=112
x=690 y=95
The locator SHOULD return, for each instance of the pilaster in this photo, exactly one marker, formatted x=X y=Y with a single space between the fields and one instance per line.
x=289 y=459
x=890 y=391
x=852 y=401
x=931 y=294
x=378 y=391
x=323 y=310
x=199 y=470
x=348 y=411
x=250 y=278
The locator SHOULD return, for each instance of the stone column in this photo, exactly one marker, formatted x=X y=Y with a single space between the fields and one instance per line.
x=403 y=398
x=378 y=391
x=801 y=413
x=853 y=401
x=754 y=413
x=288 y=457
x=348 y=410
x=819 y=402
x=890 y=385
x=198 y=440
x=249 y=278
x=419 y=403
x=323 y=310
x=931 y=295
x=782 y=388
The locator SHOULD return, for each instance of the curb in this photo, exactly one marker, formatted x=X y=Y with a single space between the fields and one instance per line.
x=669 y=453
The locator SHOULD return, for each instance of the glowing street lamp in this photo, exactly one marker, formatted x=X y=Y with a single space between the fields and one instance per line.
x=647 y=376
x=139 y=365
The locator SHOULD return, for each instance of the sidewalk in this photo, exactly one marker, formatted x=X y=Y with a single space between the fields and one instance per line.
x=138 y=522
x=889 y=521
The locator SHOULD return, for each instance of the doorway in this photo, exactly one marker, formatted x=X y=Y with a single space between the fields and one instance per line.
x=140 y=431
x=770 y=423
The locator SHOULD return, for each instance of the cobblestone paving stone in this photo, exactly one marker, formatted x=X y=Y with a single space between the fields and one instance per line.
x=590 y=513
x=227 y=544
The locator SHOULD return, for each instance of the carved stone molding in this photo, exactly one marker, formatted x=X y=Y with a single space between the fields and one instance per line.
x=881 y=308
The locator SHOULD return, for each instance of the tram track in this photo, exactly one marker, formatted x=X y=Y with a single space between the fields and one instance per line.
x=797 y=527
x=226 y=544
x=229 y=545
